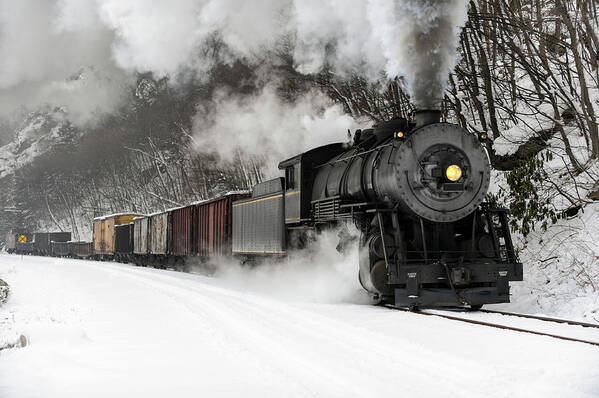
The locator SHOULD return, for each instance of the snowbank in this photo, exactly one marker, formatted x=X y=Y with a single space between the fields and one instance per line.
x=561 y=269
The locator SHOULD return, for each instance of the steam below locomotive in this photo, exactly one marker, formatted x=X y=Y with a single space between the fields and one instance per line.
x=416 y=192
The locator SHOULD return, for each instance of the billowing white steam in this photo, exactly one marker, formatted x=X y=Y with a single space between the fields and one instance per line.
x=57 y=53
x=263 y=123
x=43 y=42
x=414 y=39
x=319 y=274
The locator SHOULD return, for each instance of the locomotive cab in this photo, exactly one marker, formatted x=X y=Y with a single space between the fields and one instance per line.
x=299 y=181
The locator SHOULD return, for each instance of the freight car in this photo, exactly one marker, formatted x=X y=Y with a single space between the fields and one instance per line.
x=158 y=237
x=81 y=249
x=42 y=241
x=60 y=249
x=213 y=222
x=258 y=222
x=104 y=234
x=140 y=239
x=183 y=229
x=150 y=240
x=123 y=242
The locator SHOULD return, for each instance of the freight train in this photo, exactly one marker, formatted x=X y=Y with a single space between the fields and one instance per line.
x=415 y=191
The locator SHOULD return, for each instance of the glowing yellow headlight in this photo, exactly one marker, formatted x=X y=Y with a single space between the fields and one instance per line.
x=453 y=172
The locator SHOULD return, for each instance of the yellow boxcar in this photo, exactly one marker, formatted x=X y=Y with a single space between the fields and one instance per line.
x=104 y=231
x=97 y=237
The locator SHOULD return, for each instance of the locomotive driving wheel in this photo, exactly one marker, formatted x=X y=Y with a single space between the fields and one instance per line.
x=379 y=276
x=377 y=249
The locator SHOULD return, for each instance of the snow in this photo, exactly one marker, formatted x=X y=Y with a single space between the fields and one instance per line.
x=100 y=329
x=125 y=213
x=518 y=134
x=37 y=135
x=561 y=269
x=561 y=265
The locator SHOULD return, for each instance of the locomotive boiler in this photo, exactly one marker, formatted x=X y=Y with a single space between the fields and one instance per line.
x=416 y=192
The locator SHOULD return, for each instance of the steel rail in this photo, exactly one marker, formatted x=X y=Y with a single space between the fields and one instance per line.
x=542 y=318
x=498 y=326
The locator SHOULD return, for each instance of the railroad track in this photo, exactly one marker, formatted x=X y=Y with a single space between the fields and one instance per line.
x=542 y=318
x=512 y=328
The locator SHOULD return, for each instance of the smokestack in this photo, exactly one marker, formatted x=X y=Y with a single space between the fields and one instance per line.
x=427 y=116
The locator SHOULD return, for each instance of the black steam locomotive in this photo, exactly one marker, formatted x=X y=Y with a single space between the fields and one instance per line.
x=415 y=190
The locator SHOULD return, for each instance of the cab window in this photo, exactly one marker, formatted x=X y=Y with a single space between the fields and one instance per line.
x=289 y=178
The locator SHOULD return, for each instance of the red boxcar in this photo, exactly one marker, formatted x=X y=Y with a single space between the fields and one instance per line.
x=213 y=222
x=181 y=231
x=81 y=249
x=203 y=229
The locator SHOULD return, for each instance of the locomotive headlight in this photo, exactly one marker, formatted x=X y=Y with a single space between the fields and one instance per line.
x=453 y=173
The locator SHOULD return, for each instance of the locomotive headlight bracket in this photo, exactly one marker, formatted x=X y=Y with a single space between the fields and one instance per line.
x=453 y=173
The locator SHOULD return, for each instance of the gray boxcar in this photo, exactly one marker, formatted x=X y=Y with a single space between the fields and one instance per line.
x=140 y=235
x=259 y=222
x=158 y=233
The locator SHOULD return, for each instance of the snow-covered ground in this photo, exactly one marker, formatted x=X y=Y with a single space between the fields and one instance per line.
x=561 y=269
x=100 y=329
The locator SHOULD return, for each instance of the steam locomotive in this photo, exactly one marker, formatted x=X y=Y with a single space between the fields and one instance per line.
x=415 y=190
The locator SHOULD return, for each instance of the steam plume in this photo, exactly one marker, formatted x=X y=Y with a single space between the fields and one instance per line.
x=43 y=43
x=57 y=53
x=263 y=123
x=423 y=46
